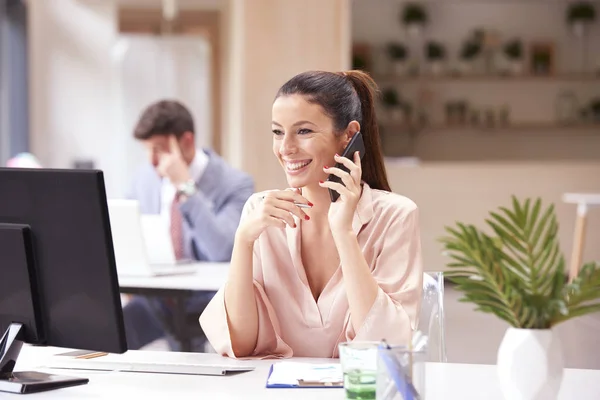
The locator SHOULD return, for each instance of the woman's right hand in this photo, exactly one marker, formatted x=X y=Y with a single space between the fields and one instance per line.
x=275 y=208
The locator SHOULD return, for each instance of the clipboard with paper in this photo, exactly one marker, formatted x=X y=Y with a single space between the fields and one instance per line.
x=290 y=374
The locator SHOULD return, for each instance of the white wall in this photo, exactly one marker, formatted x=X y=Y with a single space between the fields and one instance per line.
x=70 y=83
x=149 y=68
x=466 y=192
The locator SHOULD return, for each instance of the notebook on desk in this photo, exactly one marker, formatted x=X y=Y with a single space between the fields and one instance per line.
x=290 y=374
x=164 y=362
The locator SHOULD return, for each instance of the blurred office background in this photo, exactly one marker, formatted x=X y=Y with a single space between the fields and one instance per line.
x=481 y=99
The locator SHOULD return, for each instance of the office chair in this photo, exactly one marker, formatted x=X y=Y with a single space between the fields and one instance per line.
x=431 y=316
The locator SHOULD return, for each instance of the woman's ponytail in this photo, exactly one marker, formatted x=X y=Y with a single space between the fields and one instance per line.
x=373 y=166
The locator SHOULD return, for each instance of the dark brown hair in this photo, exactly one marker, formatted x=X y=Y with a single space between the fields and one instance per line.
x=345 y=97
x=165 y=117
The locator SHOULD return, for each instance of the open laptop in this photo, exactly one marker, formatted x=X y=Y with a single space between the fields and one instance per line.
x=142 y=246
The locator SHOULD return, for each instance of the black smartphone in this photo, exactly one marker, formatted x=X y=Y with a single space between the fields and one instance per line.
x=355 y=144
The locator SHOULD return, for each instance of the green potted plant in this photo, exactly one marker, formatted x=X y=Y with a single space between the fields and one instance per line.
x=513 y=50
x=468 y=53
x=359 y=62
x=398 y=55
x=517 y=272
x=392 y=104
x=595 y=109
x=436 y=55
x=580 y=15
x=414 y=18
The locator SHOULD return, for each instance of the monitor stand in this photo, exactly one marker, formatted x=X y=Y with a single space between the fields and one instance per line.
x=26 y=381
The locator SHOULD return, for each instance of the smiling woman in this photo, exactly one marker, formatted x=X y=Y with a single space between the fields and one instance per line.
x=308 y=273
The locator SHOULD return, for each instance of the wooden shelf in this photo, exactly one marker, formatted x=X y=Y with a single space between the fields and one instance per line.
x=537 y=127
x=566 y=77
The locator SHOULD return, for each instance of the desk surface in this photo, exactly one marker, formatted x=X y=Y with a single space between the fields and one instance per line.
x=444 y=381
x=208 y=277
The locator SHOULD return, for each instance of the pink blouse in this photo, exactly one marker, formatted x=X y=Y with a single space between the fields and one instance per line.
x=292 y=323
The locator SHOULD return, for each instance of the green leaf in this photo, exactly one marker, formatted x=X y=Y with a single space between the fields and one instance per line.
x=518 y=210
x=533 y=218
x=510 y=227
x=541 y=225
x=518 y=272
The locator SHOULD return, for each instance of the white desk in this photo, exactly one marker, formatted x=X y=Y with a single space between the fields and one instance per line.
x=208 y=277
x=444 y=382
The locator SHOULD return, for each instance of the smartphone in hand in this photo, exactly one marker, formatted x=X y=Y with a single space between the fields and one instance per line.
x=355 y=144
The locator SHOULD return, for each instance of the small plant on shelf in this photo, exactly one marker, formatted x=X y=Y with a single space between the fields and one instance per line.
x=359 y=62
x=436 y=54
x=470 y=50
x=595 y=109
x=393 y=105
x=583 y=11
x=414 y=18
x=397 y=51
x=580 y=15
x=389 y=98
x=435 y=51
x=514 y=49
x=398 y=55
x=468 y=53
x=514 y=53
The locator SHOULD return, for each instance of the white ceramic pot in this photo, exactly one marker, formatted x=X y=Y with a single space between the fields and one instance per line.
x=516 y=67
x=414 y=29
x=396 y=114
x=579 y=28
x=465 y=67
x=436 y=68
x=399 y=68
x=530 y=364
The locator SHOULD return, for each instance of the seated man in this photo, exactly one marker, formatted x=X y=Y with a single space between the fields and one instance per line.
x=200 y=197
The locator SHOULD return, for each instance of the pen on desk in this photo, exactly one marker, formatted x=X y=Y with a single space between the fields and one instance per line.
x=302 y=205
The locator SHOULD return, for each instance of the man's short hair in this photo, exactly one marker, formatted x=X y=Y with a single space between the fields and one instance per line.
x=165 y=117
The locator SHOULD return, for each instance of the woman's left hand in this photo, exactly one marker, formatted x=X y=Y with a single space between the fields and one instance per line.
x=341 y=213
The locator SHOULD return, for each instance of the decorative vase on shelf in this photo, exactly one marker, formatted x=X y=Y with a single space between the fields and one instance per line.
x=414 y=30
x=436 y=68
x=465 y=67
x=396 y=115
x=530 y=364
x=567 y=107
x=516 y=67
x=399 y=68
x=579 y=28
x=398 y=55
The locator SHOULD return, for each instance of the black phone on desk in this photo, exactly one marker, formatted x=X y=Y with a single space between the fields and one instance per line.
x=355 y=144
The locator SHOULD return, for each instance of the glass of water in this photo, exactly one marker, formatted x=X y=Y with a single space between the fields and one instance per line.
x=359 y=365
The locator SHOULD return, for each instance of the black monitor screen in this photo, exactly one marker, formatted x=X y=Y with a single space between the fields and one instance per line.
x=71 y=246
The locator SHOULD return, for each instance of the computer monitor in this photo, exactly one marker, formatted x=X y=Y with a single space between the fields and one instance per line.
x=58 y=278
